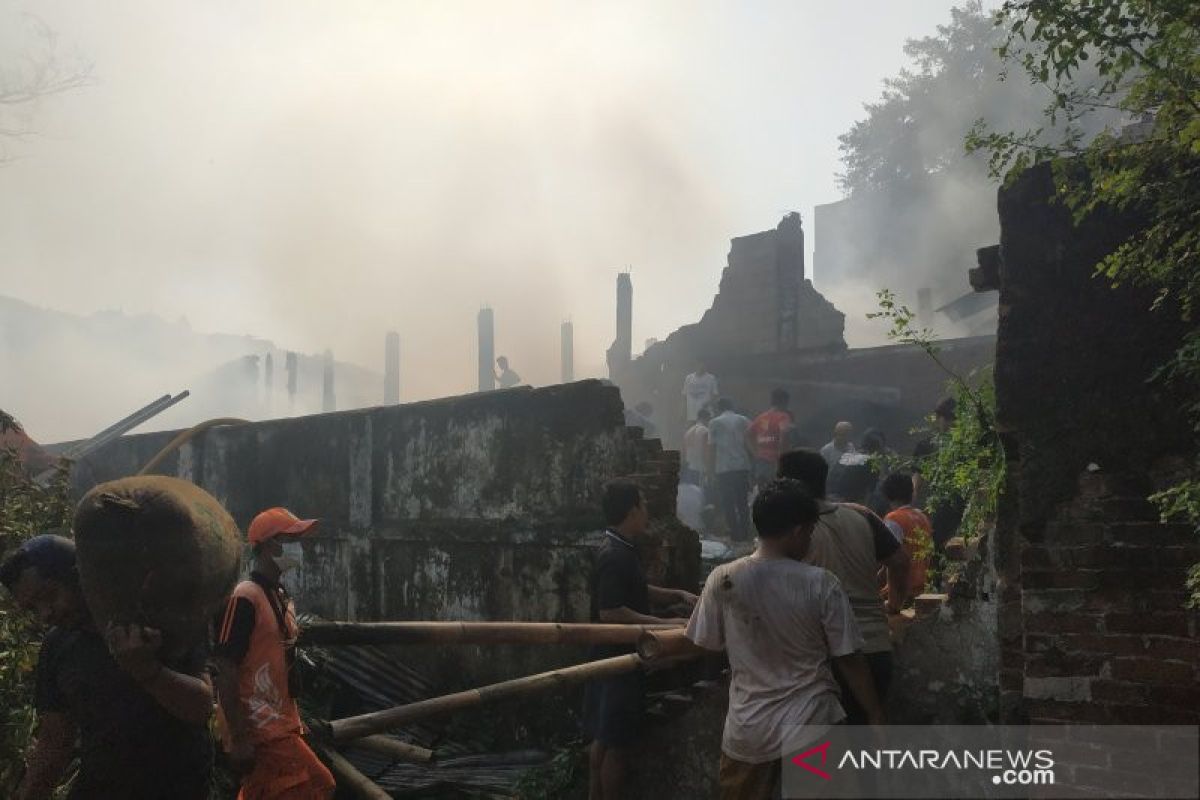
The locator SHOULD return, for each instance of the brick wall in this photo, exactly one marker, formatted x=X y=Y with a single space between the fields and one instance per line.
x=1092 y=624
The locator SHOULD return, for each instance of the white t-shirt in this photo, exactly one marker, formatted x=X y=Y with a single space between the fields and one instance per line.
x=695 y=447
x=700 y=390
x=781 y=621
x=727 y=433
x=689 y=506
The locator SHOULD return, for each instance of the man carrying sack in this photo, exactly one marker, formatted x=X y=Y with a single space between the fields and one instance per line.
x=256 y=678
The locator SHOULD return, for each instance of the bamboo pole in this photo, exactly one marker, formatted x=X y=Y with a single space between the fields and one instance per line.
x=349 y=728
x=658 y=645
x=401 y=751
x=347 y=774
x=349 y=633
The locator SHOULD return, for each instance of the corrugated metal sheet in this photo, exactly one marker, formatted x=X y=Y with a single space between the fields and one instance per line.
x=380 y=679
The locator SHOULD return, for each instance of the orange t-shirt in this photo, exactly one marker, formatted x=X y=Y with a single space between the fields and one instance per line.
x=915 y=532
x=269 y=709
x=768 y=429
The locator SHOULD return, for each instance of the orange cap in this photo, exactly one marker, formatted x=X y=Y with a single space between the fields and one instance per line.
x=276 y=522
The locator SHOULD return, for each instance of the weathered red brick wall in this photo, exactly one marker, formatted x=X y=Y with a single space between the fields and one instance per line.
x=1093 y=624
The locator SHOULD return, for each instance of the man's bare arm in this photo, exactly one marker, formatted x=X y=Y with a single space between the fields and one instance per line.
x=186 y=697
x=48 y=759
x=628 y=616
x=135 y=649
x=241 y=752
x=857 y=674
x=666 y=597
x=897 y=579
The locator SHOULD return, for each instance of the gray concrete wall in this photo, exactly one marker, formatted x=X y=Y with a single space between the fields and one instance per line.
x=482 y=507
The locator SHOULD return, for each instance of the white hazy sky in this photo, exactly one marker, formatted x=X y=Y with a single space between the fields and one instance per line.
x=319 y=172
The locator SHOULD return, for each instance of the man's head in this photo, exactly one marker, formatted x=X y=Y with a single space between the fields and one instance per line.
x=42 y=578
x=724 y=404
x=270 y=530
x=780 y=399
x=944 y=414
x=873 y=441
x=898 y=489
x=502 y=362
x=704 y=416
x=842 y=433
x=645 y=409
x=701 y=367
x=784 y=515
x=806 y=466
x=625 y=508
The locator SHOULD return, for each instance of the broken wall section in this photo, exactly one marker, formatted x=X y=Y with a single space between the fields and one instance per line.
x=1093 y=623
x=482 y=507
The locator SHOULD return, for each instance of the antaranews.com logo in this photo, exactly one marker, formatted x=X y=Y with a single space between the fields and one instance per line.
x=991 y=761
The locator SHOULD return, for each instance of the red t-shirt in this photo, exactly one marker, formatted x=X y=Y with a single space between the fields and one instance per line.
x=767 y=432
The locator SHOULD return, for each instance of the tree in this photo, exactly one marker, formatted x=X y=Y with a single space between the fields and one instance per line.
x=917 y=127
x=41 y=71
x=1146 y=54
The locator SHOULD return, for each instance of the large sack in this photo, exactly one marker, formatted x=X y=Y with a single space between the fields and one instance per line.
x=158 y=551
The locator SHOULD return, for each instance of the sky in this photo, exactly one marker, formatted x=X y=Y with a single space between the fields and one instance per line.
x=318 y=173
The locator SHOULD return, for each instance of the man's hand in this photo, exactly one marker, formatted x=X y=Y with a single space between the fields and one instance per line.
x=241 y=756
x=684 y=596
x=135 y=649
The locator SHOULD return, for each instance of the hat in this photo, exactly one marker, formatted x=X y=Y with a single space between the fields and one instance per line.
x=277 y=522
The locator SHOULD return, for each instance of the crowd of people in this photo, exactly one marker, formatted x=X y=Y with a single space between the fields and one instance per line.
x=726 y=457
x=802 y=619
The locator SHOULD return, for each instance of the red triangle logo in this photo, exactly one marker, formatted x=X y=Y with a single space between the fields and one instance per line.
x=823 y=749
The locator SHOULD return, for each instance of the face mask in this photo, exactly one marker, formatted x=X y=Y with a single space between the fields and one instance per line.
x=291 y=558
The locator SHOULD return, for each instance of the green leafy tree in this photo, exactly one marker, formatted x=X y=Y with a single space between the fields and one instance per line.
x=967 y=468
x=26 y=509
x=917 y=127
x=1146 y=54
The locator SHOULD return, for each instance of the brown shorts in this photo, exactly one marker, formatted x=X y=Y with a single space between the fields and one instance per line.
x=742 y=781
x=286 y=769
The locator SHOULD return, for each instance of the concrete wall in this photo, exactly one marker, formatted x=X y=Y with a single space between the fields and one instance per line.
x=483 y=507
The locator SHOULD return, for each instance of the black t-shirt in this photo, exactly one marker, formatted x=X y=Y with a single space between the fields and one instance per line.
x=617 y=580
x=130 y=746
x=885 y=541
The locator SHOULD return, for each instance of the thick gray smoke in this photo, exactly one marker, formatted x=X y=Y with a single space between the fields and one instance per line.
x=316 y=175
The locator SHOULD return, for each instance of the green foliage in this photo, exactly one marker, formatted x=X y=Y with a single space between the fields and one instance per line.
x=954 y=85
x=1147 y=56
x=967 y=467
x=565 y=775
x=26 y=509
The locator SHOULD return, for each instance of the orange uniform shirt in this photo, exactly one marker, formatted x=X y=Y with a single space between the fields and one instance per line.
x=915 y=532
x=258 y=644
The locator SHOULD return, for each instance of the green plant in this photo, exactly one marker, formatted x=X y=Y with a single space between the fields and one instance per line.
x=967 y=466
x=564 y=775
x=25 y=510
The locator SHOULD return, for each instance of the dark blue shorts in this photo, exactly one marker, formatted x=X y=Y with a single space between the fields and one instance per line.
x=612 y=709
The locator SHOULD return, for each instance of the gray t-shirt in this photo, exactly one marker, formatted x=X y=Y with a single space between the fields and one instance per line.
x=781 y=621
x=833 y=454
x=727 y=434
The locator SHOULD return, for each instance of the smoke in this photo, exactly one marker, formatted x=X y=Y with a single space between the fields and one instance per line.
x=315 y=175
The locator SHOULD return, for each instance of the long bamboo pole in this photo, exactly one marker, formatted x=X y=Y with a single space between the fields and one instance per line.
x=657 y=645
x=349 y=728
x=347 y=775
x=348 y=633
x=401 y=751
